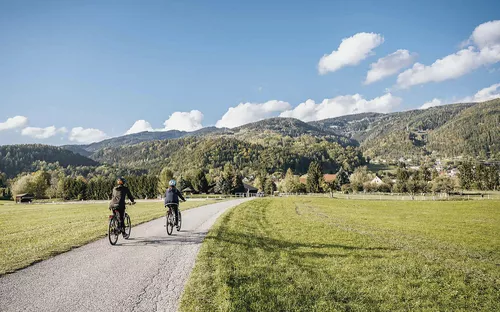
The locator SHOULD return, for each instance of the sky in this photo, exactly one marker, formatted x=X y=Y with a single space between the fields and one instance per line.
x=75 y=72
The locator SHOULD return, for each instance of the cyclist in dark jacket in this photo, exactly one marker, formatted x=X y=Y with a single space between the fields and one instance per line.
x=172 y=195
x=120 y=192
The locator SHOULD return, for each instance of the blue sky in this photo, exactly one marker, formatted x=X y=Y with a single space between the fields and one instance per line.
x=79 y=71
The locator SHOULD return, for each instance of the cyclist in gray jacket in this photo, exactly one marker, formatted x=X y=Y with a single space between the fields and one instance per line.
x=172 y=195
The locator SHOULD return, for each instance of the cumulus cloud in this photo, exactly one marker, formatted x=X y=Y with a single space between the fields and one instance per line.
x=13 y=123
x=139 y=126
x=484 y=51
x=42 y=133
x=351 y=51
x=389 y=65
x=485 y=94
x=342 y=105
x=433 y=103
x=249 y=112
x=86 y=135
x=184 y=121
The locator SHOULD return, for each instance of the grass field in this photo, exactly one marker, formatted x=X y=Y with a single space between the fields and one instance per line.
x=30 y=233
x=316 y=254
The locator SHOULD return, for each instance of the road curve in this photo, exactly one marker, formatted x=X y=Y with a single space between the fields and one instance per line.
x=145 y=273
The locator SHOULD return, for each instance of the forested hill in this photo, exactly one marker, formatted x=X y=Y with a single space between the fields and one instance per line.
x=468 y=129
x=136 y=138
x=15 y=159
x=277 y=153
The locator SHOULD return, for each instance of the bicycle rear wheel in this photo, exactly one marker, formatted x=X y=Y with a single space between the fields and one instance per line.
x=128 y=227
x=179 y=222
x=113 y=230
x=170 y=222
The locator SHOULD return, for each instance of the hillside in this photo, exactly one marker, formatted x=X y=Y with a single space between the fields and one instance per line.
x=15 y=159
x=136 y=138
x=259 y=131
x=474 y=131
x=400 y=134
x=213 y=152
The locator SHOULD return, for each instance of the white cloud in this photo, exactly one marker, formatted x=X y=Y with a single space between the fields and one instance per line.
x=485 y=94
x=88 y=135
x=433 y=103
x=486 y=38
x=139 y=126
x=389 y=65
x=184 y=121
x=486 y=34
x=249 y=112
x=342 y=105
x=351 y=51
x=42 y=133
x=14 y=122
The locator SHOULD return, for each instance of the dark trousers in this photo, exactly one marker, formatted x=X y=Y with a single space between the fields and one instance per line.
x=121 y=211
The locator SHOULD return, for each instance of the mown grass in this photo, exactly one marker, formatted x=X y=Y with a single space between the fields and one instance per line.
x=30 y=233
x=300 y=254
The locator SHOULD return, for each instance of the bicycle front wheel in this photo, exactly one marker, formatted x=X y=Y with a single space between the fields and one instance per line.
x=170 y=222
x=113 y=231
x=128 y=227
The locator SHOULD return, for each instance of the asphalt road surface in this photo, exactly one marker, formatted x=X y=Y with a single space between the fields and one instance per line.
x=145 y=273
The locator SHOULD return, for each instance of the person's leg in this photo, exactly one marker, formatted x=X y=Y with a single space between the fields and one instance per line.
x=122 y=218
x=176 y=213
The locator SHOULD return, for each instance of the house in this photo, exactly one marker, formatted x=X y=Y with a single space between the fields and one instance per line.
x=250 y=189
x=327 y=177
x=24 y=198
x=303 y=179
x=188 y=191
x=377 y=180
x=453 y=172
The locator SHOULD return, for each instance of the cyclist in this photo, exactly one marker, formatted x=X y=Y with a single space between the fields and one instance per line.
x=172 y=195
x=118 y=200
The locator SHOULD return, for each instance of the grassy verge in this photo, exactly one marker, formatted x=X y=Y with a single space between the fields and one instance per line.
x=300 y=254
x=30 y=233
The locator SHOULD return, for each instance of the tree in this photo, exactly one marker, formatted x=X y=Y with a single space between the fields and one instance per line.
x=314 y=177
x=199 y=182
x=341 y=178
x=22 y=185
x=359 y=177
x=40 y=183
x=443 y=184
x=165 y=176
x=238 y=186
x=269 y=187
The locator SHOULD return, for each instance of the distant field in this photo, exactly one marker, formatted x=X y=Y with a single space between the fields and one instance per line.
x=318 y=254
x=30 y=233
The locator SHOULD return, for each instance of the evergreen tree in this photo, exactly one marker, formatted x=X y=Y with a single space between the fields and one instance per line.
x=341 y=178
x=314 y=178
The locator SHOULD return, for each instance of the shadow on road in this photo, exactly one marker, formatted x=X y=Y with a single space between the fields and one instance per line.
x=177 y=238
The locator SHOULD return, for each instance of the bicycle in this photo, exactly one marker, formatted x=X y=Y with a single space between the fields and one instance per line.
x=114 y=229
x=170 y=219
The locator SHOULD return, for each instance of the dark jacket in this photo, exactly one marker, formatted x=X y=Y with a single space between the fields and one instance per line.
x=172 y=196
x=118 y=198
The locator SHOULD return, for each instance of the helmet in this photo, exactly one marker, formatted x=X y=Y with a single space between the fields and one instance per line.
x=172 y=183
x=121 y=180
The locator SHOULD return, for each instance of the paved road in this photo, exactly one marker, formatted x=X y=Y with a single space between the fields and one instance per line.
x=146 y=273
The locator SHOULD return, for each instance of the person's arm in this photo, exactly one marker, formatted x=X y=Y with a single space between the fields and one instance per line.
x=130 y=195
x=180 y=195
